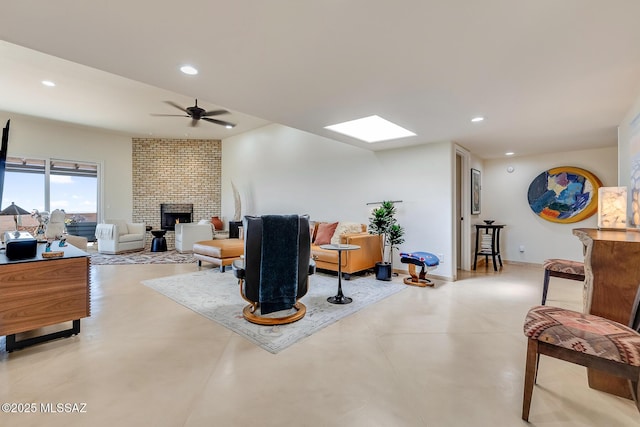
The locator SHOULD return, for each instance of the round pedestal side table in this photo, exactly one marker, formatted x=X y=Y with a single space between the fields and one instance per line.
x=339 y=298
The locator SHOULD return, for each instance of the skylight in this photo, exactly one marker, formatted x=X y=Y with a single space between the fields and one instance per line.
x=371 y=129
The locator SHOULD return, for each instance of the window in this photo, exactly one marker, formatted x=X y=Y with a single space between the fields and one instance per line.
x=50 y=184
x=73 y=187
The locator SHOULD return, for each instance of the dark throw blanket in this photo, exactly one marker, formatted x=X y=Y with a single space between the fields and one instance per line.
x=279 y=266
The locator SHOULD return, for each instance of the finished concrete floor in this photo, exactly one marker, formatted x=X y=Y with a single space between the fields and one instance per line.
x=452 y=355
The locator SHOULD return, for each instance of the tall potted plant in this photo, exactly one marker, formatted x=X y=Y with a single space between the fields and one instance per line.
x=383 y=222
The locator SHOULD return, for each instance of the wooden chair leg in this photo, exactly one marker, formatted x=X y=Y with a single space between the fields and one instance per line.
x=423 y=273
x=529 y=377
x=545 y=286
x=635 y=391
x=416 y=280
x=412 y=273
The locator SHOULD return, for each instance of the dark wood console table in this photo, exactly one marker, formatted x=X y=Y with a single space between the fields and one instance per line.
x=39 y=292
x=611 y=280
x=492 y=232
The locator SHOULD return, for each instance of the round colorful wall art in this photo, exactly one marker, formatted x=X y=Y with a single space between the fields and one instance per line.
x=564 y=194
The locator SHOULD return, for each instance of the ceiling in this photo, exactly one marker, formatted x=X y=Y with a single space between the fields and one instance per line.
x=547 y=75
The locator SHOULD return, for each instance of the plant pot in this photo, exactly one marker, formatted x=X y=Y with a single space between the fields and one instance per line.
x=383 y=271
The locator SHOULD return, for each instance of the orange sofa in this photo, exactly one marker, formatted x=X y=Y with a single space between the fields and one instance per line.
x=366 y=257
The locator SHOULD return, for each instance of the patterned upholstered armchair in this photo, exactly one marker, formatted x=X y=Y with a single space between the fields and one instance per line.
x=583 y=339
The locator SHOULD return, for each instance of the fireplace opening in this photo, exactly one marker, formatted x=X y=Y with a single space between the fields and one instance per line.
x=173 y=213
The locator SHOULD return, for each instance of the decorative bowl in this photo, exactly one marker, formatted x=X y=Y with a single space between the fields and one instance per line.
x=489 y=221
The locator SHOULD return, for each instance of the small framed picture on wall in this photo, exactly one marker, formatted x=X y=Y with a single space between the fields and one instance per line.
x=475 y=191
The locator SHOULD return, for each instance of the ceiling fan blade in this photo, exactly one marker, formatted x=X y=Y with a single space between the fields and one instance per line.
x=169 y=115
x=214 y=113
x=173 y=104
x=194 y=123
x=219 y=122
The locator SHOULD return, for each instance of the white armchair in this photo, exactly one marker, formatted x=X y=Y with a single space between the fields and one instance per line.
x=189 y=233
x=117 y=235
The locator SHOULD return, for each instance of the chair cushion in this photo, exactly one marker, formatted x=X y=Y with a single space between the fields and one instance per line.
x=326 y=255
x=420 y=258
x=583 y=333
x=564 y=266
x=130 y=238
x=220 y=248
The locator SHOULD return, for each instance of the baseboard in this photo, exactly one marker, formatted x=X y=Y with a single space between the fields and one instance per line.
x=481 y=263
x=524 y=264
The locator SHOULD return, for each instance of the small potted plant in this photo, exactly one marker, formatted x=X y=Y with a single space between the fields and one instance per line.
x=383 y=222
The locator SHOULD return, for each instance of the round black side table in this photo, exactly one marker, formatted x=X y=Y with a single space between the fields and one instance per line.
x=159 y=243
x=340 y=298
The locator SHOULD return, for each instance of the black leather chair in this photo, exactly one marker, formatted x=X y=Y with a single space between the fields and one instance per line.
x=274 y=273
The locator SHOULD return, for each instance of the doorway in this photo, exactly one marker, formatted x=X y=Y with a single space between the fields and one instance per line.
x=461 y=241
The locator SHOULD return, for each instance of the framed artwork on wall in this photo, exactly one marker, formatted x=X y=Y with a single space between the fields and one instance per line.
x=475 y=192
x=564 y=194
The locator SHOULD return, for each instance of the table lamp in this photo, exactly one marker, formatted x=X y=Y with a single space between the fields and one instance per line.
x=612 y=208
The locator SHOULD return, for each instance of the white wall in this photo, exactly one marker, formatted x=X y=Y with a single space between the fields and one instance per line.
x=36 y=138
x=504 y=198
x=280 y=170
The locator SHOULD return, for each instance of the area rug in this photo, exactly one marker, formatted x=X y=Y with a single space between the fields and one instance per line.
x=142 y=257
x=215 y=296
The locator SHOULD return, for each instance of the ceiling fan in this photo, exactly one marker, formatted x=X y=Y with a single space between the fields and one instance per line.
x=196 y=113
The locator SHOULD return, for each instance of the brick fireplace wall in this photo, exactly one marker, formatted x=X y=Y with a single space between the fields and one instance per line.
x=175 y=171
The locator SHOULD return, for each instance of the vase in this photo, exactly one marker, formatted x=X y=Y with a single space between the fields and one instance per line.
x=217 y=223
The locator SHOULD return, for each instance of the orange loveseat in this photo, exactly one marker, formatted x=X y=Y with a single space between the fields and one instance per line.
x=366 y=257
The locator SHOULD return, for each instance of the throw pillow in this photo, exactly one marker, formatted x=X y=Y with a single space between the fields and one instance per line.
x=345 y=228
x=324 y=233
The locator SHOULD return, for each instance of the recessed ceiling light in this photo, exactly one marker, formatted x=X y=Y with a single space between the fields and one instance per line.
x=188 y=69
x=477 y=119
x=48 y=83
x=371 y=129
x=229 y=126
x=509 y=153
